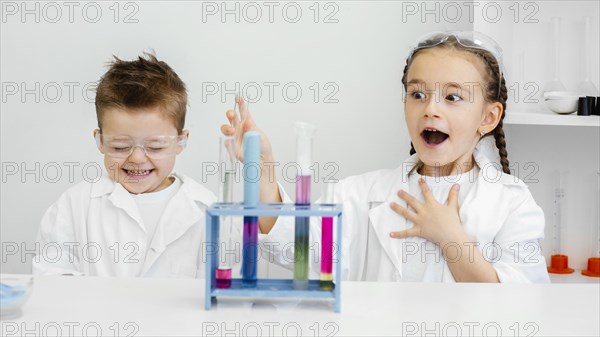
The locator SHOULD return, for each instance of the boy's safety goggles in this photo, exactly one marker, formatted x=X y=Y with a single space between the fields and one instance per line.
x=155 y=147
x=467 y=39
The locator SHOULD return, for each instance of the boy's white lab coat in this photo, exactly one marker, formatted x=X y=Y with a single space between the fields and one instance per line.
x=498 y=213
x=96 y=229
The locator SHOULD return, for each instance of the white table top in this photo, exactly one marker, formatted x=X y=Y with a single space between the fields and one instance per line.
x=147 y=307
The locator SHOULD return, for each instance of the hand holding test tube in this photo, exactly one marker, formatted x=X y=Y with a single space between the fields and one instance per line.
x=238 y=126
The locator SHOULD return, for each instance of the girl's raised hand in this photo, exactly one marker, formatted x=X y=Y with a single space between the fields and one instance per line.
x=239 y=125
x=432 y=221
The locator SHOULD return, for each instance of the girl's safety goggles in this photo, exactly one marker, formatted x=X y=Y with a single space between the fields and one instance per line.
x=467 y=39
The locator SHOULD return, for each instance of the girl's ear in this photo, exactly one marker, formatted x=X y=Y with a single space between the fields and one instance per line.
x=491 y=117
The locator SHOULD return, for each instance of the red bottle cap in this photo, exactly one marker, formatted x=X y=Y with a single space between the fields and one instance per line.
x=560 y=265
x=593 y=268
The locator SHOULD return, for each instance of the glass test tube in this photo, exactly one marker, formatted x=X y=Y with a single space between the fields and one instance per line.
x=559 y=262
x=227 y=168
x=596 y=226
x=251 y=176
x=593 y=265
x=327 y=239
x=304 y=134
x=559 y=194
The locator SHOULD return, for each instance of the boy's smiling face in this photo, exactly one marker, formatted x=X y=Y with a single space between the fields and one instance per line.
x=445 y=109
x=138 y=173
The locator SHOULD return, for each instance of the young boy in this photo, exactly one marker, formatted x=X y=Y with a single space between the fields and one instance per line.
x=142 y=219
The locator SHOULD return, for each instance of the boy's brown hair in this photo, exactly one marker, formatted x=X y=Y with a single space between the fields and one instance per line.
x=142 y=83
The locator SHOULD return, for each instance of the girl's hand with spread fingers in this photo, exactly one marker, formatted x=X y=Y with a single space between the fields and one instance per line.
x=432 y=221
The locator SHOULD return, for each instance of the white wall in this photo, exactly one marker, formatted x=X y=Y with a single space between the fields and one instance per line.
x=541 y=152
x=362 y=54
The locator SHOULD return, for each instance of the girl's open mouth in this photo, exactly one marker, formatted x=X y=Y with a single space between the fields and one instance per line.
x=433 y=137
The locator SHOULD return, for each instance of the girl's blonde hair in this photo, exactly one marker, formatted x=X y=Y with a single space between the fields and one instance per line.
x=494 y=88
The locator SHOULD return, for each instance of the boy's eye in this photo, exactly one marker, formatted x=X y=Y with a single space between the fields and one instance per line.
x=453 y=98
x=156 y=146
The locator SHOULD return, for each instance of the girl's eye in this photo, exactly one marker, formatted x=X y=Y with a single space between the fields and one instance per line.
x=453 y=98
x=417 y=95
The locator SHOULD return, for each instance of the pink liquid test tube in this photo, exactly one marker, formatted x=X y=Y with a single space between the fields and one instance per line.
x=223 y=278
x=227 y=153
x=327 y=239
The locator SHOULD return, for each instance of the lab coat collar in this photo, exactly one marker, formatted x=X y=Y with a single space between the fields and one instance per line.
x=384 y=220
x=193 y=190
x=118 y=196
x=491 y=171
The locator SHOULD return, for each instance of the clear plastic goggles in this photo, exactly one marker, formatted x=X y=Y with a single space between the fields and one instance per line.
x=155 y=147
x=467 y=39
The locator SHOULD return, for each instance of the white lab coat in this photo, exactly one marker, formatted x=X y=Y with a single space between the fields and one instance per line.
x=499 y=213
x=98 y=231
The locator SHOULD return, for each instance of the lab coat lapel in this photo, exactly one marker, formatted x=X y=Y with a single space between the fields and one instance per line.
x=183 y=211
x=490 y=181
x=383 y=219
x=119 y=197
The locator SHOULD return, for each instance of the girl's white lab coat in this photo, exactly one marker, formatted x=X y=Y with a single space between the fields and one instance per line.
x=96 y=229
x=498 y=213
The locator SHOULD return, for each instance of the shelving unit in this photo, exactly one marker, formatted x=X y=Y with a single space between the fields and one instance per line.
x=550 y=118
x=575 y=277
x=570 y=126
x=268 y=288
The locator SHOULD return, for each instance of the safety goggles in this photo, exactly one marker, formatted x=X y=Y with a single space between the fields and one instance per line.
x=155 y=147
x=467 y=39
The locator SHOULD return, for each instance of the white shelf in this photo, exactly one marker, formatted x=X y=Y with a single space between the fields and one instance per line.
x=550 y=118
x=575 y=277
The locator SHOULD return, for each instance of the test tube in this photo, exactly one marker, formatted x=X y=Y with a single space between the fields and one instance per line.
x=227 y=167
x=593 y=266
x=596 y=226
x=559 y=194
x=304 y=134
x=327 y=238
x=251 y=176
x=559 y=263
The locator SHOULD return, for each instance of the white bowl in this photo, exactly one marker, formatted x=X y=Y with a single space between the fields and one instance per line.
x=14 y=292
x=562 y=95
x=563 y=106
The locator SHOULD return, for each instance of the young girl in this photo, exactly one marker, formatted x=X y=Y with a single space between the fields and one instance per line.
x=449 y=212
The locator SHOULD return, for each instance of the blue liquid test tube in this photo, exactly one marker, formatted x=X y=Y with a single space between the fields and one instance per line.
x=251 y=174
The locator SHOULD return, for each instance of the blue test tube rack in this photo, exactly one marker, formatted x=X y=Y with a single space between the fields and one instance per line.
x=268 y=288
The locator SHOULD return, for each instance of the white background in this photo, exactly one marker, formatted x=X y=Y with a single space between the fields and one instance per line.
x=362 y=53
